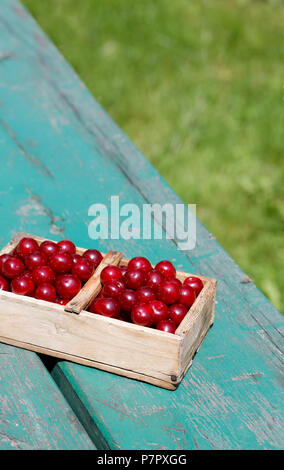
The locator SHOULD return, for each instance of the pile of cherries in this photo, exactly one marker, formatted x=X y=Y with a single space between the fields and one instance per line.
x=50 y=271
x=146 y=296
x=137 y=293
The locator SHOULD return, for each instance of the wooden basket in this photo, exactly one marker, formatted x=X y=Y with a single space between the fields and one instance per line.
x=123 y=348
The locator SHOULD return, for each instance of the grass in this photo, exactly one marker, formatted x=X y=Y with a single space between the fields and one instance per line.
x=198 y=86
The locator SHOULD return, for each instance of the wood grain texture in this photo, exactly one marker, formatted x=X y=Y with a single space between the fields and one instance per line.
x=34 y=414
x=90 y=339
x=54 y=136
x=195 y=326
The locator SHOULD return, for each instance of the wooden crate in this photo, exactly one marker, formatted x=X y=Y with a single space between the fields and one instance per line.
x=93 y=340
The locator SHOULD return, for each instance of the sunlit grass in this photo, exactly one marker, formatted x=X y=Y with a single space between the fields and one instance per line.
x=198 y=86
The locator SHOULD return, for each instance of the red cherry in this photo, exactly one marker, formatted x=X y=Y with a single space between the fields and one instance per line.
x=3 y=283
x=61 y=301
x=13 y=253
x=26 y=246
x=134 y=279
x=127 y=299
x=61 y=262
x=168 y=292
x=123 y=270
x=139 y=262
x=12 y=267
x=186 y=296
x=46 y=291
x=66 y=246
x=27 y=273
x=48 y=248
x=67 y=286
x=111 y=273
x=113 y=289
x=107 y=307
x=154 y=279
x=177 y=312
x=83 y=268
x=168 y=326
x=93 y=255
x=141 y=315
x=166 y=268
x=177 y=282
x=76 y=258
x=159 y=311
x=145 y=294
x=22 y=285
x=43 y=274
x=35 y=259
x=195 y=283
x=3 y=258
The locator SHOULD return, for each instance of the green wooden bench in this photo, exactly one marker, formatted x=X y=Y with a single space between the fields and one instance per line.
x=34 y=414
x=61 y=153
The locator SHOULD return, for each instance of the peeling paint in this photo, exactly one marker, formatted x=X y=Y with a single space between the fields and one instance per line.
x=253 y=376
x=35 y=207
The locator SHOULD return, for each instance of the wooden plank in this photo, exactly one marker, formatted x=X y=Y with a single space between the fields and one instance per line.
x=54 y=137
x=34 y=414
x=195 y=326
x=87 y=338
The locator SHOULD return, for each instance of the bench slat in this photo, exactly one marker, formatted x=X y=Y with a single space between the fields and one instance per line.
x=34 y=414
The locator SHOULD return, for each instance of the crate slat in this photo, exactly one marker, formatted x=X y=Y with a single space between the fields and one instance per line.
x=93 y=286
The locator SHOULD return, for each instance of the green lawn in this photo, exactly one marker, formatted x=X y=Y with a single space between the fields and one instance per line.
x=198 y=86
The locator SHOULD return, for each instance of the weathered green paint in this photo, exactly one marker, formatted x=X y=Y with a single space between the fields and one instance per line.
x=33 y=412
x=61 y=153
